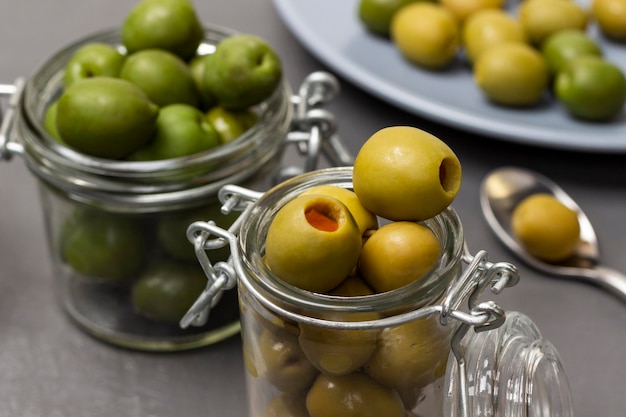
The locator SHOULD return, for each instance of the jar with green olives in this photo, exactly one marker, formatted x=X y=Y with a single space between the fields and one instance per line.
x=403 y=352
x=124 y=269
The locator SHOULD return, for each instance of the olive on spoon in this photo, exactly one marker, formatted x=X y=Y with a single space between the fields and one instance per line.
x=504 y=188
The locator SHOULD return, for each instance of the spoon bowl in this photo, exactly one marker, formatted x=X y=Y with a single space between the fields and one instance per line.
x=504 y=188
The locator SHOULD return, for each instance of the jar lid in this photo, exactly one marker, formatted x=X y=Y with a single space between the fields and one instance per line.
x=511 y=371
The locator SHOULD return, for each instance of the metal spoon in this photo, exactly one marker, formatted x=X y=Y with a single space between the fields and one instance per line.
x=503 y=188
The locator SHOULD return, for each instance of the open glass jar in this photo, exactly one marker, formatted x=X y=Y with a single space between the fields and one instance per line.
x=116 y=229
x=394 y=354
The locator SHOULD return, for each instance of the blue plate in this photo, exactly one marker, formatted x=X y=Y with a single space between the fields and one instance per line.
x=331 y=30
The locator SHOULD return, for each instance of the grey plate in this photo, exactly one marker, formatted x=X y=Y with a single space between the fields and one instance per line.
x=331 y=31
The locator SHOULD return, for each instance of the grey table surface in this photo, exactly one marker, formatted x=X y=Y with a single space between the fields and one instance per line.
x=50 y=368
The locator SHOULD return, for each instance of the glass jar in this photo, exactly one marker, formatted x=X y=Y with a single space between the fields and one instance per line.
x=397 y=353
x=116 y=229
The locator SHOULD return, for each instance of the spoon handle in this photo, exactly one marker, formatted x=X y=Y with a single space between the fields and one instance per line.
x=611 y=280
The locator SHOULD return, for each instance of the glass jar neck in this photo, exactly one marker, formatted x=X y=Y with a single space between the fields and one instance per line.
x=144 y=184
x=278 y=295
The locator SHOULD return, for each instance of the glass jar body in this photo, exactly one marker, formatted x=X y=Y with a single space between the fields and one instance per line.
x=330 y=355
x=117 y=229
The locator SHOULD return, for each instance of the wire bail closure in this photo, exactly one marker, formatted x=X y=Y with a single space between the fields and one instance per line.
x=14 y=93
x=313 y=128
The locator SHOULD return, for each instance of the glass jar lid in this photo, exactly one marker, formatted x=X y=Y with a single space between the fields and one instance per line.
x=511 y=371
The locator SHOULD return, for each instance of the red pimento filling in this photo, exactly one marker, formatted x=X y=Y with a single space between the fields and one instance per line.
x=320 y=221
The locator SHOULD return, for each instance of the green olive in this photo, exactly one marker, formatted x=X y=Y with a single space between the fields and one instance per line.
x=106 y=117
x=338 y=351
x=426 y=34
x=230 y=124
x=610 y=16
x=410 y=356
x=352 y=395
x=376 y=15
x=313 y=243
x=542 y=18
x=563 y=46
x=487 y=28
x=512 y=74
x=282 y=362
x=243 y=72
x=162 y=24
x=398 y=254
x=166 y=290
x=197 y=67
x=405 y=173
x=546 y=227
x=103 y=246
x=592 y=88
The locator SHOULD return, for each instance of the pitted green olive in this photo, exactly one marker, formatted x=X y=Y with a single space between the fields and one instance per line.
x=352 y=395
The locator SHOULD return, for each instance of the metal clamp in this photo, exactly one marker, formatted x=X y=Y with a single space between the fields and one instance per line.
x=8 y=148
x=206 y=236
x=482 y=274
x=314 y=129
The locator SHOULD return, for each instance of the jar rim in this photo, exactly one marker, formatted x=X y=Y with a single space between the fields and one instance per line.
x=446 y=225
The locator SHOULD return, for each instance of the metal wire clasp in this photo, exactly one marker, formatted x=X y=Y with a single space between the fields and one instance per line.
x=314 y=132
x=206 y=236
x=8 y=148
x=314 y=129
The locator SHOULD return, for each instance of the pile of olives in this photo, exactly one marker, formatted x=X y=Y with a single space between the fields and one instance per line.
x=540 y=51
x=402 y=174
x=158 y=95
x=360 y=242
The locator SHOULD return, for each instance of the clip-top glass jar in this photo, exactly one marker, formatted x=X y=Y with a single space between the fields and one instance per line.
x=394 y=354
x=116 y=229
